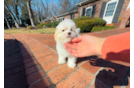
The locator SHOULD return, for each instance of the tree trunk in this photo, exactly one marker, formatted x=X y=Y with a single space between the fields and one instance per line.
x=16 y=11
x=6 y=21
x=16 y=24
x=17 y=14
x=30 y=13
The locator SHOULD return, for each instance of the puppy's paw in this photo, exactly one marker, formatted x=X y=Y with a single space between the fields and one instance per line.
x=71 y=65
x=61 y=61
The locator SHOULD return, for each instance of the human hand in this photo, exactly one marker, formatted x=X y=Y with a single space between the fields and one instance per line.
x=85 y=45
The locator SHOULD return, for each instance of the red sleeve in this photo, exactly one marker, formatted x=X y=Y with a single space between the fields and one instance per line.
x=117 y=47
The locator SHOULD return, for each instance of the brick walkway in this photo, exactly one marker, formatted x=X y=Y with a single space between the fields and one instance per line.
x=14 y=71
x=42 y=70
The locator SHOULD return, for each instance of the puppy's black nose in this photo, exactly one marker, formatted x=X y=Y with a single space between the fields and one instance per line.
x=69 y=33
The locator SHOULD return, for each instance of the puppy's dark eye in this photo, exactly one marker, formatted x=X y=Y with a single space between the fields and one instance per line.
x=63 y=30
x=71 y=29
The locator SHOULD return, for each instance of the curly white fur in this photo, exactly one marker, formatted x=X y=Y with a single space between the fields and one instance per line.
x=65 y=32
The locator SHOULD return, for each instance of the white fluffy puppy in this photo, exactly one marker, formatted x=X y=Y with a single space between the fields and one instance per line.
x=65 y=32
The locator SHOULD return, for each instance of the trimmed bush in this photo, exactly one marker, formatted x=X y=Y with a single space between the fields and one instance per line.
x=102 y=28
x=82 y=18
x=85 y=25
x=29 y=27
x=48 y=25
x=99 y=22
x=41 y=25
x=54 y=24
x=51 y=24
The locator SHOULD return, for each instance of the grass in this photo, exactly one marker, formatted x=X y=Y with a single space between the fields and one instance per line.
x=38 y=31
x=102 y=28
x=50 y=30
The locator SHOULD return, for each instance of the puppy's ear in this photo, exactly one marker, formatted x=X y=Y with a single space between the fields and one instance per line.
x=56 y=34
x=78 y=31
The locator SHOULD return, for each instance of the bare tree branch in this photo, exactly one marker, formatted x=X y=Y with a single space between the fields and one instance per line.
x=16 y=23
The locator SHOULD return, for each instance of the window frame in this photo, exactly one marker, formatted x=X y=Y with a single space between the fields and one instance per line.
x=61 y=18
x=110 y=10
x=90 y=7
x=71 y=15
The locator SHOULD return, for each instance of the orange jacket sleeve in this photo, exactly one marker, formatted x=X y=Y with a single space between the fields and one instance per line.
x=117 y=47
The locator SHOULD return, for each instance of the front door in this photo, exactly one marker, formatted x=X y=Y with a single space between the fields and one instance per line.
x=110 y=11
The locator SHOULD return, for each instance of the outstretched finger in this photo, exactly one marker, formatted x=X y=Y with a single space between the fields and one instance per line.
x=78 y=39
x=73 y=46
x=73 y=52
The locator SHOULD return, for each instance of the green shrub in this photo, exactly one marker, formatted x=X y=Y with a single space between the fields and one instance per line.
x=48 y=25
x=82 y=18
x=29 y=27
x=99 y=21
x=51 y=24
x=102 y=28
x=54 y=24
x=41 y=25
x=85 y=25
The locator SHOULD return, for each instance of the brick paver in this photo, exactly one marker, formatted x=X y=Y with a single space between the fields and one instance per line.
x=42 y=70
x=14 y=71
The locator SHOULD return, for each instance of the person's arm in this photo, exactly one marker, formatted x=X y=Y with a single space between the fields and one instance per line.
x=117 y=47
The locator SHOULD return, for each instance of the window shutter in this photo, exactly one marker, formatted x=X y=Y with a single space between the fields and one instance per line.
x=70 y=16
x=93 y=11
x=83 y=14
x=73 y=16
x=102 y=9
x=118 y=10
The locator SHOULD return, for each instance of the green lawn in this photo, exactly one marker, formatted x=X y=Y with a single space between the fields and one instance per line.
x=102 y=28
x=38 y=31
x=50 y=30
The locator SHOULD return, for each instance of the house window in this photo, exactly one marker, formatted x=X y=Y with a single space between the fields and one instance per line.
x=89 y=11
x=72 y=16
x=61 y=19
x=110 y=9
x=54 y=19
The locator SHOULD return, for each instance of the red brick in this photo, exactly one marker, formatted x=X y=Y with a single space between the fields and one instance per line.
x=32 y=69
x=25 y=52
x=99 y=84
x=52 y=47
x=122 y=63
x=43 y=54
x=92 y=68
x=50 y=65
x=40 y=50
x=60 y=72
x=37 y=48
x=47 y=58
x=28 y=56
x=28 y=60
x=118 y=69
x=35 y=45
x=79 y=79
x=43 y=83
x=32 y=63
x=35 y=76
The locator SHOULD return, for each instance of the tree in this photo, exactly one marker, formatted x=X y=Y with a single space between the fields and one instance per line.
x=64 y=5
x=7 y=21
x=30 y=12
x=16 y=23
x=25 y=20
x=54 y=8
x=14 y=8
